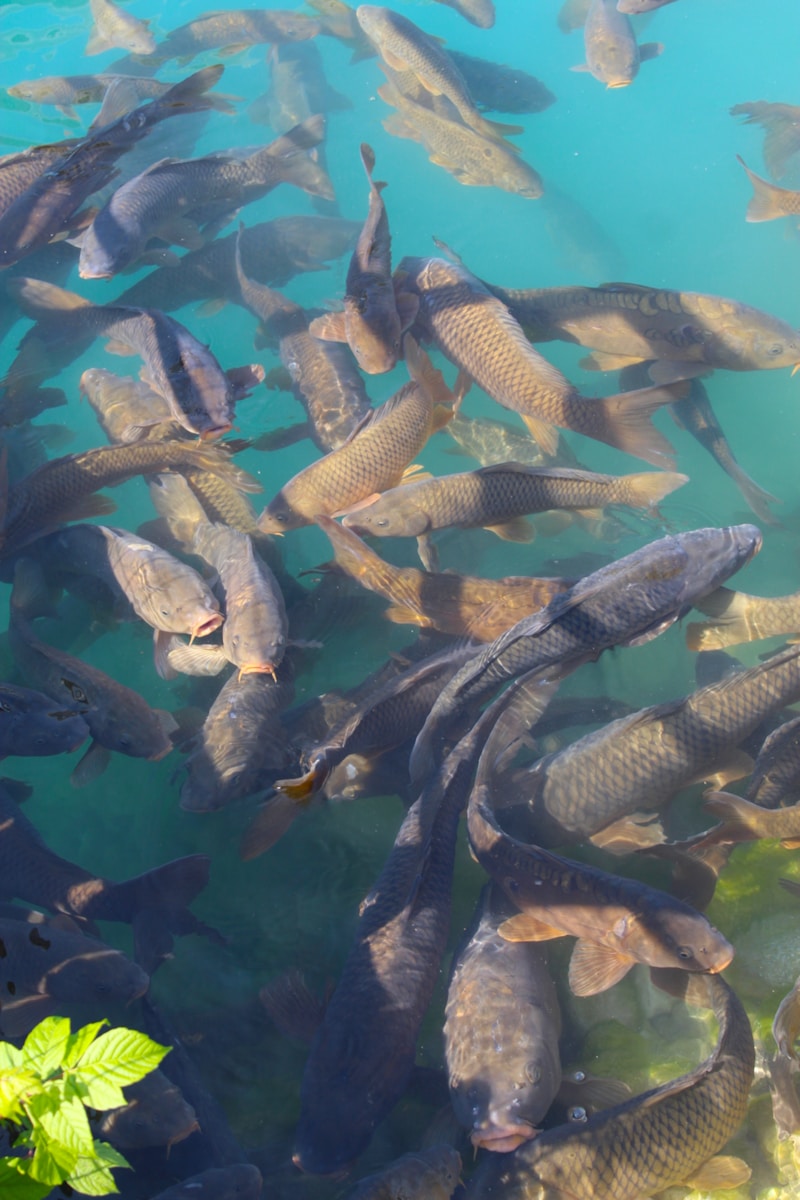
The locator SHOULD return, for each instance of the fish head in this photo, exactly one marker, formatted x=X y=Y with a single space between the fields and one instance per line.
x=388 y=518
x=277 y=517
x=694 y=944
x=373 y=332
x=100 y=258
x=716 y=554
x=96 y=975
x=251 y=649
x=774 y=348
x=156 y=1115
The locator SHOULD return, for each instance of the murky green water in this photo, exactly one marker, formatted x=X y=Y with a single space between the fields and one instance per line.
x=654 y=166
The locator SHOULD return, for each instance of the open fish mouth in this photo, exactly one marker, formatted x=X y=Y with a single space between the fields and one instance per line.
x=204 y=628
x=504 y=1139
x=258 y=669
x=336 y=1176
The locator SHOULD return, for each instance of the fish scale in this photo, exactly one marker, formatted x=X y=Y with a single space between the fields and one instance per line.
x=648 y=1143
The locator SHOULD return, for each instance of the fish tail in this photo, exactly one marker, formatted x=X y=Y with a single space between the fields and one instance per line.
x=301 y=790
x=189 y=92
x=629 y=426
x=39 y=299
x=758 y=498
x=648 y=489
x=734 y=621
x=171 y=886
x=268 y=826
x=767 y=202
x=740 y=818
x=496 y=131
x=358 y=560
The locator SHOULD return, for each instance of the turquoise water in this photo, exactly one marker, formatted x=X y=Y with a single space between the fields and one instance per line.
x=654 y=166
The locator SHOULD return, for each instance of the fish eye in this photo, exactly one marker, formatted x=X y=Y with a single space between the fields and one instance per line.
x=685 y=953
x=533 y=1072
x=775 y=349
x=511 y=885
x=577 y=1114
x=382 y=523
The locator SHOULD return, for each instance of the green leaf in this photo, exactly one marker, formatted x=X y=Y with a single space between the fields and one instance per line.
x=92 y=1176
x=16 y=1185
x=100 y=1093
x=66 y=1122
x=14 y=1084
x=53 y=1162
x=79 y=1041
x=44 y=1047
x=115 y=1059
x=10 y=1056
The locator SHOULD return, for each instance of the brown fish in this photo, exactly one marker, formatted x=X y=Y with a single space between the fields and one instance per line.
x=374 y=317
x=504 y=89
x=430 y=1174
x=116 y=29
x=743 y=821
x=461 y=605
x=739 y=617
x=128 y=409
x=782 y=125
x=612 y=53
x=234 y=29
x=477 y=12
x=374 y=459
x=666 y=1136
x=474 y=160
x=63 y=489
x=479 y=334
x=769 y=201
x=497 y=497
x=156 y=1114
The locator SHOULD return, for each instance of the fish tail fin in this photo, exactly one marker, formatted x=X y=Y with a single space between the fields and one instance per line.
x=189 y=92
x=39 y=299
x=354 y=556
x=171 y=886
x=648 y=488
x=302 y=789
x=368 y=161
x=295 y=1010
x=758 y=498
x=766 y=204
x=496 y=131
x=303 y=136
x=734 y=621
x=629 y=425
x=738 y=816
x=268 y=826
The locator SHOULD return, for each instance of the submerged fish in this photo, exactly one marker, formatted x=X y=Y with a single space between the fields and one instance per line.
x=374 y=317
x=739 y=617
x=626 y=603
x=666 y=1136
x=156 y=1114
x=430 y=1174
x=462 y=605
x=505 y=89
x=234 y=29
x=782 y=125
x=114 y=28
x=769 y=201
x=297 y=88
x=31 y=725
x=238 y=1182
x=175 y=200
x=128 y=409
x=477 y=332
x=501 y=1031
x=497 y=497
x=374 y=459
x=477 y=12
x=612 y=53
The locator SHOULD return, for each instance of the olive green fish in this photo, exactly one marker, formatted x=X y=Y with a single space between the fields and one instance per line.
x=431 y=1174
x=669 y=1135
x=234 y=29
x=612 y=53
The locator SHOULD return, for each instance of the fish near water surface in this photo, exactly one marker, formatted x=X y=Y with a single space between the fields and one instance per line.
x=628 y=602
x=782 y=125
x=114 y=28
x=477 y=12
x=374 y=316
x=477 y=332
x=738 y=617
x=234 y=29
x=769 y=201
x=612 y=53
x=505 y=89
x=666 y=1136
x=156 y=1114
x=175 y=200
x=429 y=1174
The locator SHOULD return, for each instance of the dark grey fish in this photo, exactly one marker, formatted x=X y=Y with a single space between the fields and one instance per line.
x=30 y=724
x=234 y=29
x=156 y=1114
x=500 y=88
x=629 y=602
x=240 y=1181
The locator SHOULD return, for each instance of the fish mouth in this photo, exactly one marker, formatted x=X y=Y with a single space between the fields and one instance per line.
x=159 y=754
x=203 y=628
x=185 y=1133
x=336 y=1176
x=258 y=669
x=502 y=1139
x=796 y=368
x=620 y=84
x=208 y=435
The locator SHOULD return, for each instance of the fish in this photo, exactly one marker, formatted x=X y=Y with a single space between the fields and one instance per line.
x=119 y=719
x=156 y=1114
x=629 y=602
x=405 y=47
x=782 y=125
x=474 y=160
x=388 y=715
x=572 y=15
x=641 y=761
x=492 y=442
x=255 y=631
x=241 y=1181
x=769 y=202
x=497 y=497
x=20 y=171
x=429 y=1174
x=636 y=7
x=322 y=376
x=501 y=1030
x=128 y=409
x=45 y=971
x=501 y=88
x=200 y=394
x=374 y=316
x=743 y=821
x=116 y=29
x=46 y=208
x=34 y=873
x=738 y=617
x=460 y=605
x=478 y=333
x=297 y=88
x=362 y=1054
x=618 y=922
x=179 y=200
x=619 y=1154
x=242 y=747
x=64 y=91
x=63 y=488
x=31 y=725
x=337 y=19
x=686 y=332
x=695 y=414
x=477 y=12
x=275 y=251
x=776 y=775
x=374 y=459
x=612 y=53
x=232 y=30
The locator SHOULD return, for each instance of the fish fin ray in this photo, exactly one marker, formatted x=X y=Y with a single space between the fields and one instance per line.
x=594 y=969
x=526 y=928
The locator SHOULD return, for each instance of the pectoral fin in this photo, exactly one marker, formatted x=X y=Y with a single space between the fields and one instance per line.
x=515 y=530
x=594 y=969
x=91 y=765
x=545 y=435
x=525 y=928
x=721 y=1171
x=330 y=328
